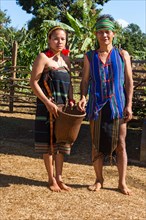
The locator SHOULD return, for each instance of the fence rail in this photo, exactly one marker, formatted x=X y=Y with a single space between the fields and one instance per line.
x=17 y=96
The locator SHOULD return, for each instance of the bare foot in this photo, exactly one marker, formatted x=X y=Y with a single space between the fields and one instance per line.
x=53 y=186
x=125 y=190
x=63 y=186
x=96 y=186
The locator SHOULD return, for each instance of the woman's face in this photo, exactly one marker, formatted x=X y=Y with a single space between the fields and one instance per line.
x=105 y=37
x=57 y=41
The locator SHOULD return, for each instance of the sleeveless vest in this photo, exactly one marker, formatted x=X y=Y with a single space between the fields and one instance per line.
x=106 y=84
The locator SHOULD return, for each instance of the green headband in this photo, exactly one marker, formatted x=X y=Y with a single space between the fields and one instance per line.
x=105 y=24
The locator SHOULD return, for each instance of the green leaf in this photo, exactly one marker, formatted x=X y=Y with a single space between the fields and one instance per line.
x=86 y=44
x=87 y=4
x=58 y=23
x=74 y=23
x=79 y=56
x=74 y=43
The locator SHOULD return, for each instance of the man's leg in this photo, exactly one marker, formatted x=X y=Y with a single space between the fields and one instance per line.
x=49 y=167
x=122 y=159
x=97 y=163
x=98 y=167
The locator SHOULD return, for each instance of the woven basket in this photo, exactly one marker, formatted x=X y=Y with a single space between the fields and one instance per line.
x=67 y=125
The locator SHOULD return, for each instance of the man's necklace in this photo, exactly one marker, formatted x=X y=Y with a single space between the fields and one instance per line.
x=104 y=52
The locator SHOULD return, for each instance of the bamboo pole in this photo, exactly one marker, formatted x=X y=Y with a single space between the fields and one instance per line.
x=14 y=63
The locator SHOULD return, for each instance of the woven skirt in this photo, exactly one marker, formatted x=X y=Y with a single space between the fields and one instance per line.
x=104 y=133
x=42 y=133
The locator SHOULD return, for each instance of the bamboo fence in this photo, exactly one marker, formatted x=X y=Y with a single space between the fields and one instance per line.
x=17 y=96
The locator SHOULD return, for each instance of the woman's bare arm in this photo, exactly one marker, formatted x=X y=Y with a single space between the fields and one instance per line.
x=38 y=67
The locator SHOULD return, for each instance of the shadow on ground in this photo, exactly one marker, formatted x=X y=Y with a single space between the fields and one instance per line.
x=7 y=180
x=16 y=137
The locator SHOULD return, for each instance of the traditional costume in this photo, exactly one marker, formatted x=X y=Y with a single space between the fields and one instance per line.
x=106 y=101
x=58 y=80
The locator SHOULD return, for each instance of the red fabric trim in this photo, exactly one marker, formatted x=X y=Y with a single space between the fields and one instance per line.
x=49 y=53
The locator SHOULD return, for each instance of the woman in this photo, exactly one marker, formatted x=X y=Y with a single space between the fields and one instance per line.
x=107 y=71
x=50 y=81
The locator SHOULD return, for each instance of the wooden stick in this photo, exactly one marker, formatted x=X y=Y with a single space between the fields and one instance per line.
x=51 y=119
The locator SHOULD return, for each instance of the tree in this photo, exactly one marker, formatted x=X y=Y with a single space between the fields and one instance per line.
x=4 y=19
x=83 y=38
x=7 y=33
x=81 y=35
x=134 y=41
x=54 y=9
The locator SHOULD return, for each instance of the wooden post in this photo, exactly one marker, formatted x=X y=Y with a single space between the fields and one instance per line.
x=143 y=143
x=14 y=63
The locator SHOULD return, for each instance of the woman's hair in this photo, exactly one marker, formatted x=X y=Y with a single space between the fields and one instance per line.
x=51 y=31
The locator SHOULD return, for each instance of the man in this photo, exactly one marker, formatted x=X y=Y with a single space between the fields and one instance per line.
x=107 y=74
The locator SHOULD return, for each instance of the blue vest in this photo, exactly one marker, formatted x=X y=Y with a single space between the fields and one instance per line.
x=106 y=84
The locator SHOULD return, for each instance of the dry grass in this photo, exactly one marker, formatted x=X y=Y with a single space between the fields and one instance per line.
x=24 y=192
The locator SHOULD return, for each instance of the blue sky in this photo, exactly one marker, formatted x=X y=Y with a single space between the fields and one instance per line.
x=128 y=11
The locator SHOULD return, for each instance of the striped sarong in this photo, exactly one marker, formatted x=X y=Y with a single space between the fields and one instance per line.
x=42 y=133
x=104 y=133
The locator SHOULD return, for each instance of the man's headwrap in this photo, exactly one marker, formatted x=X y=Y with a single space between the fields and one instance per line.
x=105 y=24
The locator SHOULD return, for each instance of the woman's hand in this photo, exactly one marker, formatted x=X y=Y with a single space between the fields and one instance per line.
x=52 y=108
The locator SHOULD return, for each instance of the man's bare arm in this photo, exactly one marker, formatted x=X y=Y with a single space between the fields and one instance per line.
x=128 y=85
x=85 y=77
x=84 y=84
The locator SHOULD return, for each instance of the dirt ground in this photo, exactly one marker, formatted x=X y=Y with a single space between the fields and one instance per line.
x=24 y=192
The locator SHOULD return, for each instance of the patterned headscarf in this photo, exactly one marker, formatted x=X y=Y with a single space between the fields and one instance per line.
x=105 y=24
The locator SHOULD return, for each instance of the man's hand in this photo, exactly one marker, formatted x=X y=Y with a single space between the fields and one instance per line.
x=81 y=104
x=127 y=114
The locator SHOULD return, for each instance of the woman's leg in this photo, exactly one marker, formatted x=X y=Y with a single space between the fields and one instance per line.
x=48 y=160
x=59 y=159
x=122 y=159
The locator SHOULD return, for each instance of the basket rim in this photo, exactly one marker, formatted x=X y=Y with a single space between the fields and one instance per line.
x=72 y=115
